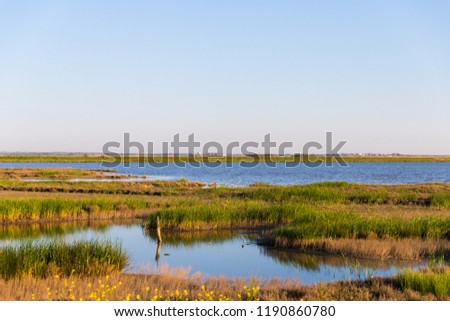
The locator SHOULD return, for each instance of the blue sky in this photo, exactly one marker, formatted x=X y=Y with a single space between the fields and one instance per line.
x=77 y=74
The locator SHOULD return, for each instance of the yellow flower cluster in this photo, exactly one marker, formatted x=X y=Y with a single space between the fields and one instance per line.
x=102 y=291
x=106 y=290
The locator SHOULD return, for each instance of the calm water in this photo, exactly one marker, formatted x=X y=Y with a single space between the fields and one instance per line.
x=228 y=253
x=234 y=174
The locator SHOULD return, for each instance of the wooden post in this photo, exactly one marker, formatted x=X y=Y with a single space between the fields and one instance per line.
x=158 y=230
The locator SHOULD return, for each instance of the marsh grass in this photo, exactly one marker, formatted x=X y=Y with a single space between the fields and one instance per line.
x=33 y=209
x=309 y=227
x=346 y=224
x=435 y=281
x=440 y=200
x=332 y=193
x=299 y=221
x=213 y=215
x=40 y=260
x=114 y=187
x=329 y=192
x=437 y=195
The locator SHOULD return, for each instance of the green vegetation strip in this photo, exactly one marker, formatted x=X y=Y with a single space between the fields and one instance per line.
x=59 y=208
x=311 y=225
x=436 y=282
x=218 y=215
x=436 y=195
x=59 y=258
x=186 y=205
x=100 y=187
x=297 y=221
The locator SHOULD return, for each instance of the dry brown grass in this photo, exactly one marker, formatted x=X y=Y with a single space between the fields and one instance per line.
x=377 y=289
x=406 y=249
x=178 y=285
x=102 y=187
x=50 y=195
x=58 y=173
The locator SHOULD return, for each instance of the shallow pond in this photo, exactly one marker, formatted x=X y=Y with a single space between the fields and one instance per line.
x=228 y=253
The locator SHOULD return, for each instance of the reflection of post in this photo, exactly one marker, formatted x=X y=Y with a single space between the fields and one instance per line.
x=158 y=235
x=158 y=252
x=158 y=230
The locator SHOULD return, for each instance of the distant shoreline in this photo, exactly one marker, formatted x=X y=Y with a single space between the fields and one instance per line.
x=95 y=158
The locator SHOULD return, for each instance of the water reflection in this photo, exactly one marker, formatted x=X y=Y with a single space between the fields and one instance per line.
x=191 y=238
x=313 y=262
x=42 y=231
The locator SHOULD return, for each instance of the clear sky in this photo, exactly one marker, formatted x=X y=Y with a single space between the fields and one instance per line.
x=76 y=74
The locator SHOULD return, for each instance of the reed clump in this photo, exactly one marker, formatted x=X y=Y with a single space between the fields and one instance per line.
x=299 y=216
x=440 y=200
x=33 y=209
x=296 y=221
x=41 y=260
x=213 y=215
x=347 y=224
x=426 y=195
x=433 y=280
x=308 y=227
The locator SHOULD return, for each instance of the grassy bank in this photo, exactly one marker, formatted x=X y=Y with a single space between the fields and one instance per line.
x=310 y=224
x=435 y=281
x=305 y=221
x=177 y=285
x=42 y=260
x=425 y=195
x=116 y=187
x=409 y=222
x=311 y=228
x=436 y=195
x=61 y=208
